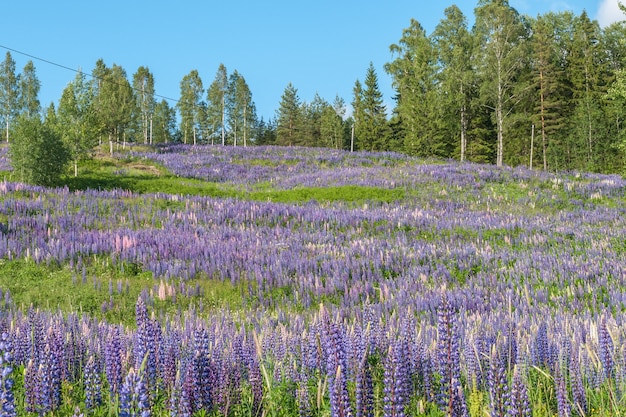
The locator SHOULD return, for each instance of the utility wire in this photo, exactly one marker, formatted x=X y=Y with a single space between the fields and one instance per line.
x=65 y=67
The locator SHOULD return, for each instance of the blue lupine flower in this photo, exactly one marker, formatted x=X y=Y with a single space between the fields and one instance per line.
x=518 y=404
x=134 y=401
x=7 y=401
x=93 y=384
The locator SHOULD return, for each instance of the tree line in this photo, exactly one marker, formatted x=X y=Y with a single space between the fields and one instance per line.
x=548 y=92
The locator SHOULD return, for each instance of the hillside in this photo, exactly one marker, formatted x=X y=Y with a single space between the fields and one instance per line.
x=301 y=262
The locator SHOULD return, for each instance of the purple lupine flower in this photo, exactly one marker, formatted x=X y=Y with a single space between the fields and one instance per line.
x=48 y=383
x=183 y=397
x=203 y=371
x=562 y=400
x=605 y=347
x=364 y=390
x=228 y=385
x=141 y=312
x=448 y=352
x=579 y=396
x=113 y=360
x=54 y=364
x=302 y=396
x=7 y=401
x=134 y=400
x=93 y=384
x=31 y=386
x=542 y=347
x=498 y=387
x=171 y=351
x=518 y=404
x=336 y=368
x=396 y=381
x=459 y=407
x=256 y=383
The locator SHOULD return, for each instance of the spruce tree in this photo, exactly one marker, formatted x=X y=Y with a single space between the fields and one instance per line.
x=414 y=74
x=372 y=129
x=289 y=118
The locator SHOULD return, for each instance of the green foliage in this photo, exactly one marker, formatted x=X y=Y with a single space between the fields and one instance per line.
x=38 y=155
x=77 y=119
x=9 y=94
x=191 y=91
x=216 y=105
x=371 y=127
x=108 y=291
x=288 y=118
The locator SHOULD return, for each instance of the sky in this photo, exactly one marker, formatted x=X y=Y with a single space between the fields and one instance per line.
x=319 y=46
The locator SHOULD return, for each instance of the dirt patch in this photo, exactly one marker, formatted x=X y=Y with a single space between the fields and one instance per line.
x=148 y=169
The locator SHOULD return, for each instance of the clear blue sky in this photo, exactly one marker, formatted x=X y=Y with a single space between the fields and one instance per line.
x=319 y=46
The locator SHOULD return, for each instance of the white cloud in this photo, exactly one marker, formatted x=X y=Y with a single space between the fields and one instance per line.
x=609 y=12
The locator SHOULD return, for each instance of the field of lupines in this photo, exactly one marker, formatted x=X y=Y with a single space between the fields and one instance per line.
x=477 y=291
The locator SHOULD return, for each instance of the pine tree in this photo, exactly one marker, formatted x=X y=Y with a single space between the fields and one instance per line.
x=9 y=93
x=587 y=73
x=548 y=79
x=289 y=118
x=312 y=120
x=372 y=129
x=414 y=77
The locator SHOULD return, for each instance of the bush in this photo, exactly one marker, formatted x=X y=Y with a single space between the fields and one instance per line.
x=37 y=153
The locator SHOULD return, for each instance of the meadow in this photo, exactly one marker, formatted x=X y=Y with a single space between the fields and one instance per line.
x=270 y=281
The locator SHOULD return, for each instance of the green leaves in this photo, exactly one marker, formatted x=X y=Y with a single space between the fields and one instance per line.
x=38 y=155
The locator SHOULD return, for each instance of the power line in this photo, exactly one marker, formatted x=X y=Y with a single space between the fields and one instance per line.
x=65 y=67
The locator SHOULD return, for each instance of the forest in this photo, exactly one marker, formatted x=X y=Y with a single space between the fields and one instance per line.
x=547 y=92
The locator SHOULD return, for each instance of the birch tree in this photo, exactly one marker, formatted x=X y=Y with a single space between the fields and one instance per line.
x=143 y=85
x=29 y=87
x=9 y=93
x=454 y=45
x=501 y=37
x=216 y=104
x=77 y=116
x=191 y=91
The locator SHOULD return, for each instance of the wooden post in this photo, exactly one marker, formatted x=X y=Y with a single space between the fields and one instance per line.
x=532 y=145
x=352 y=140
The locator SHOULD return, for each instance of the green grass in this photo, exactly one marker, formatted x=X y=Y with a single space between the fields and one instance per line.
x=110 y=293
x=143 y=177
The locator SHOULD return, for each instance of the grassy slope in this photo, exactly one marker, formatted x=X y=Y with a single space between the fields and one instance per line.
x=47 y=286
